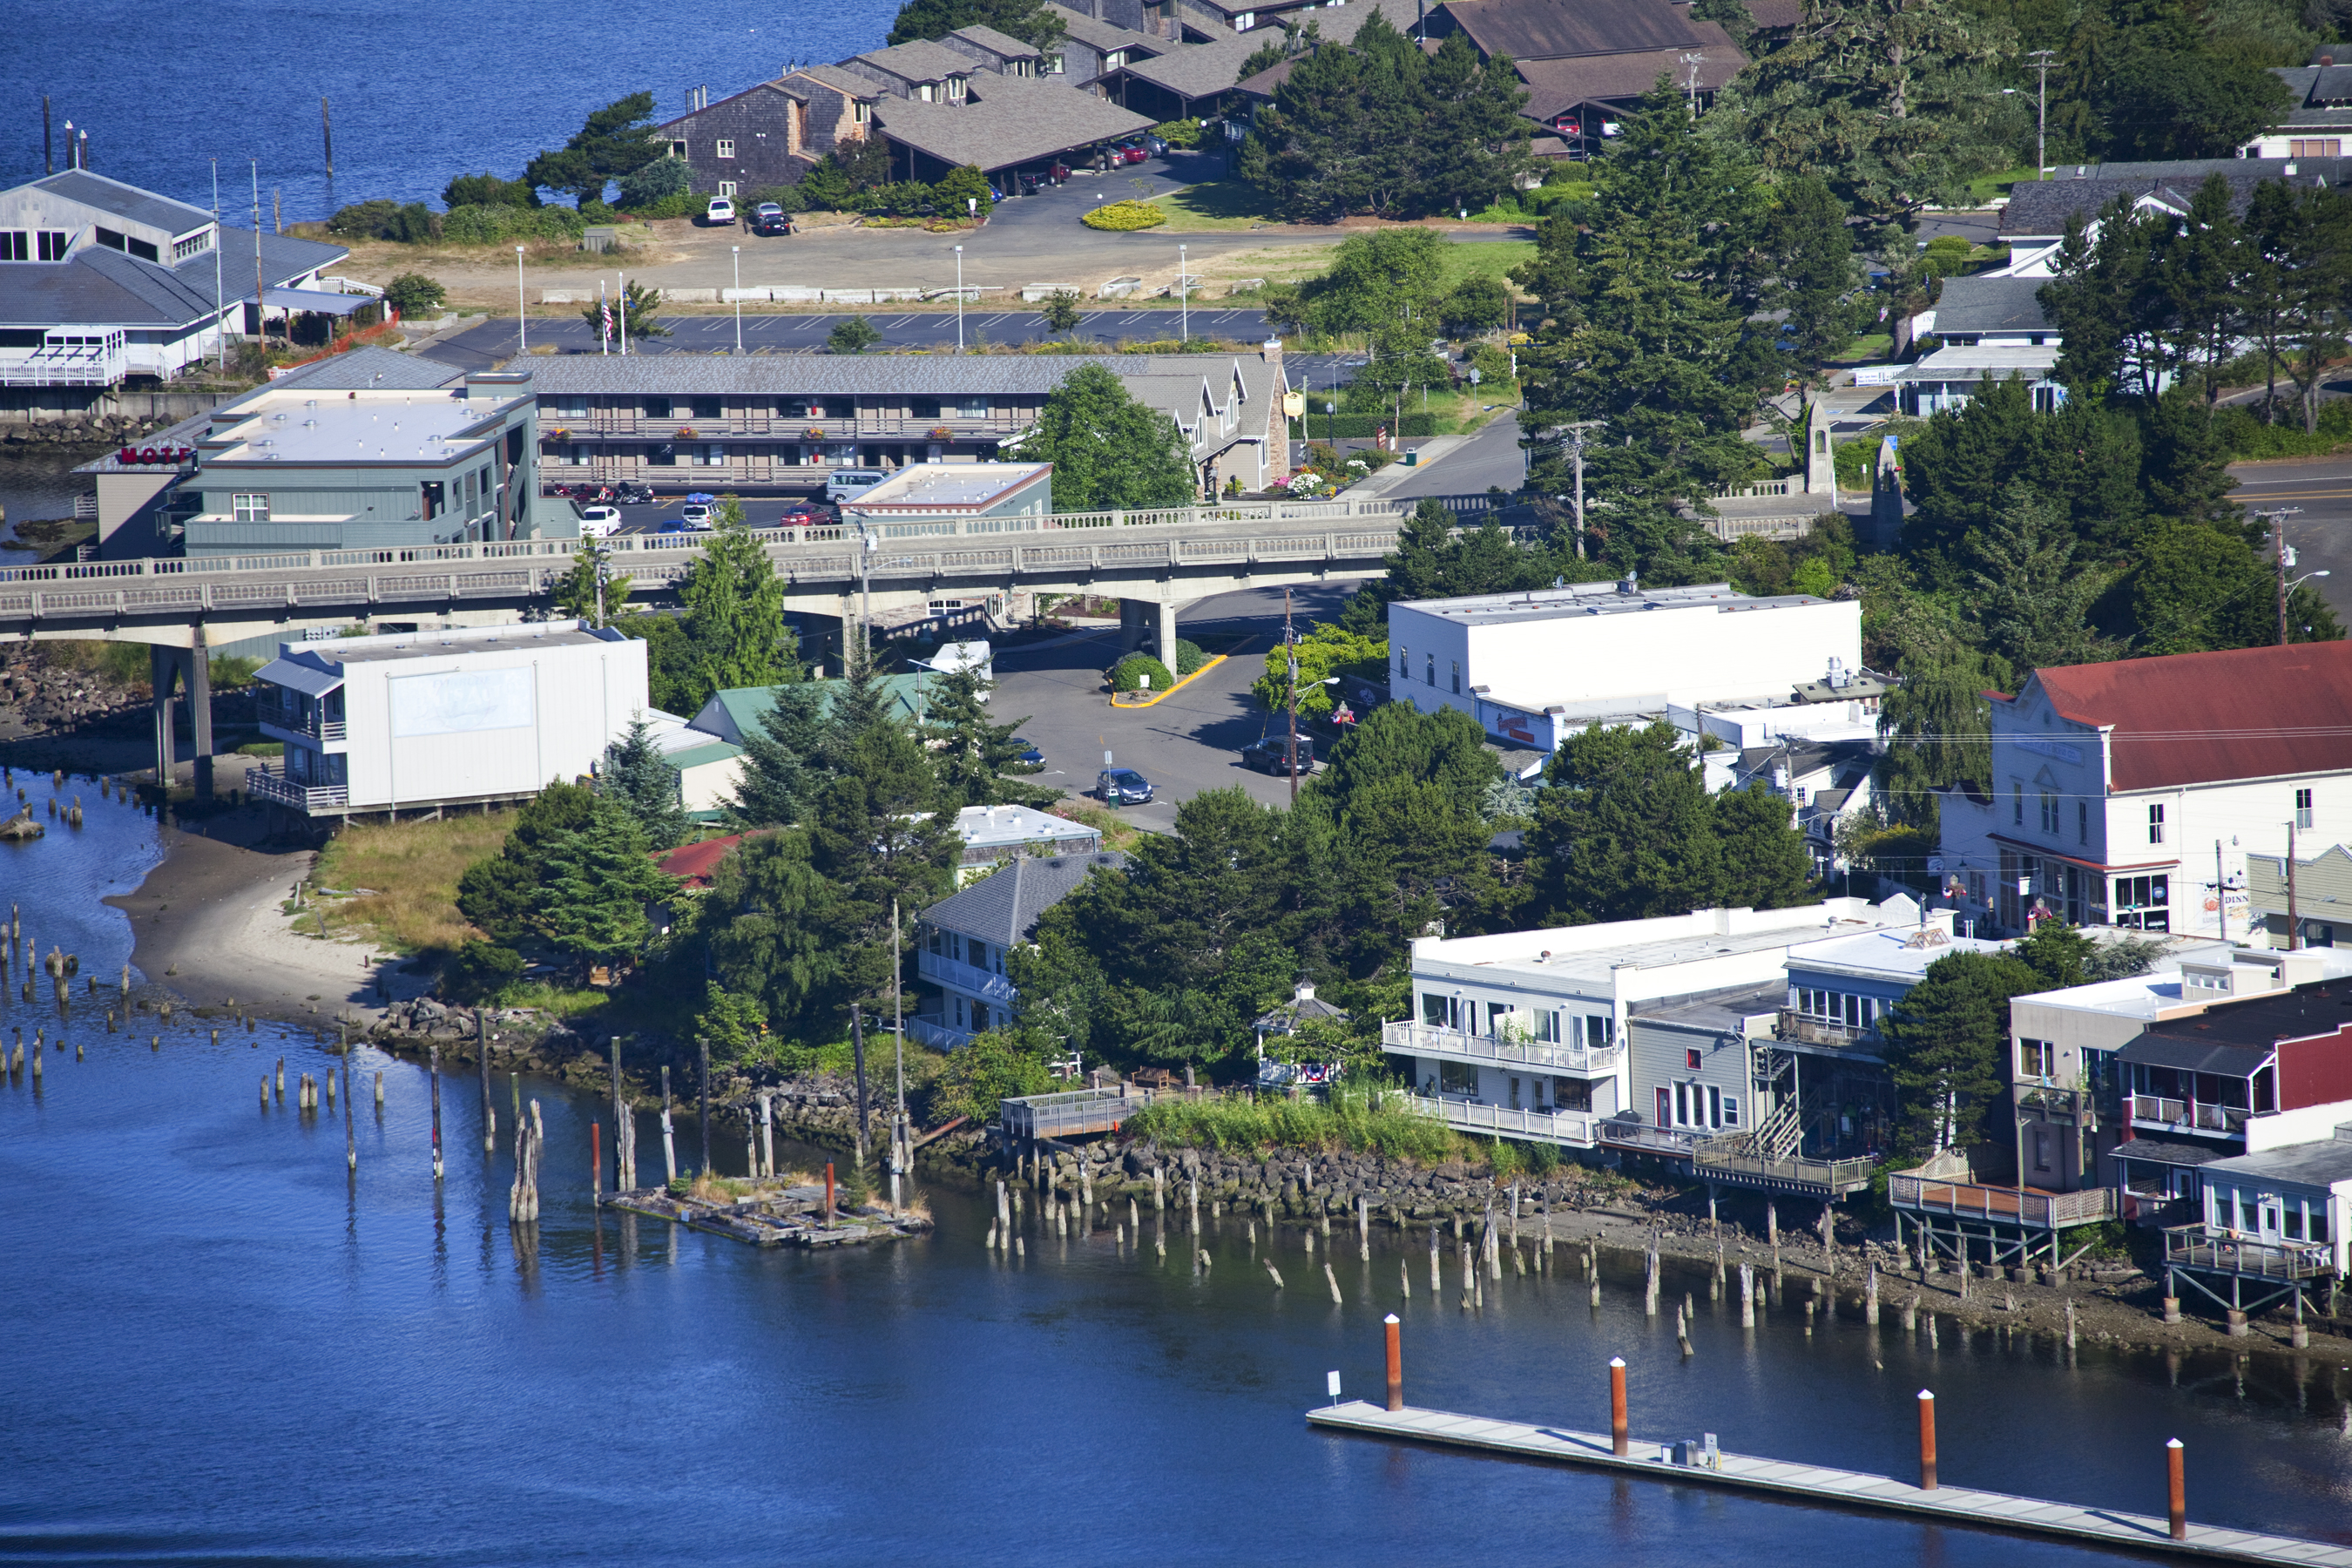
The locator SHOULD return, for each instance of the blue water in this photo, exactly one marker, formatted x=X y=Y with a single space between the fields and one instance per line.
x=419 y=92
x=216 y=1346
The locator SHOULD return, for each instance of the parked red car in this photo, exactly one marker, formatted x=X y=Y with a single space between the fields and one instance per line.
x=1132 y=153
x=803 y=514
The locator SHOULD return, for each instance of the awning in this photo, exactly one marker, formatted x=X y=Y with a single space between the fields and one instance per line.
x=2194 y=1056
x=2168 y=1151
x=296 y=676
x=2022 y=847
x=317 y=301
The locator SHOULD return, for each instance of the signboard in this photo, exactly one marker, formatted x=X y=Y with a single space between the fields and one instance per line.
x=1294 y=404
x=460 y=701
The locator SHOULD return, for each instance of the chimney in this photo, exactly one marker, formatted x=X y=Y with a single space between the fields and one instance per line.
x=1303 y=991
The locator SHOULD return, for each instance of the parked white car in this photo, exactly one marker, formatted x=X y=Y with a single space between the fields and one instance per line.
x=596 y=521
x=720 y=210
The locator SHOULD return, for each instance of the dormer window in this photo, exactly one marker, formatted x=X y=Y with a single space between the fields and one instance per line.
x=955 y=88
x=860 y=111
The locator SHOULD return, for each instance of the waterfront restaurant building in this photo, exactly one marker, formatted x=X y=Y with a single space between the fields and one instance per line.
x=416 y=720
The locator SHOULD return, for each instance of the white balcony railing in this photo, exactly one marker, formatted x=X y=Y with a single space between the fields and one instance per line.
x=937 y=1035
x=277 y=789
x=1431 y=1040
x=1569 y=1129
x=971 y=982
x=2189 y=1115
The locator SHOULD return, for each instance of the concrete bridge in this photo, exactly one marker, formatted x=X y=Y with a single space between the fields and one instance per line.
x=1161 y=558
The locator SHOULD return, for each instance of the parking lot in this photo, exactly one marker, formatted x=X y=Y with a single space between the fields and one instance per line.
x=1184 y=744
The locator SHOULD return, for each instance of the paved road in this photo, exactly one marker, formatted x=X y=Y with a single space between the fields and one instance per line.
x=1490 y=458
x=1184 y=743
x=2320 y=490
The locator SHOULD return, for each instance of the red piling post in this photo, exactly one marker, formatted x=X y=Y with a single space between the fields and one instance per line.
x=596 y=1161
x=828 y=1191
x=2179 y=1490
x=1926 y=1441
x=1396 y=1366
x=1617 y=1439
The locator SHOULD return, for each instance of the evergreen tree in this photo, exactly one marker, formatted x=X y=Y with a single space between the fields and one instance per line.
x=1107 y=451
x=766 y=923
x=616 y=139
x=596 y=884
x=576 y=592
x=1431 y=562
x=500 y=893
x=977 y=760
x=636 y=777
x=1032 y=23
x=879 y=833
x=782 y=765
x=1626 y=831
x=1816 y=273
x=1946 y=1040
x=2033 y=596
x=735 y=613
x=1766 y=865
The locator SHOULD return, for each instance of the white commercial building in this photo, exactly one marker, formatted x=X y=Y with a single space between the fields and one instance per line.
x=2131 y=793
x=1523 y=1034
x=1534 y=668
x=425 y=719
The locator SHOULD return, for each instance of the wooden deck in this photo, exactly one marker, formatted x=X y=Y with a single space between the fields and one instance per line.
x=1840 y=1488
x=2001 y=1205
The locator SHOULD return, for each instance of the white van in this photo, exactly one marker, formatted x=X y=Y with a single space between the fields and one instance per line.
x=848 y=484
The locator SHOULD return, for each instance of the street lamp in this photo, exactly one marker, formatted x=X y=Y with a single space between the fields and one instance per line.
x=1184 y=299
x=521 y=320
x=958 y=250
x=2041 y=57
x=739 y=298
x=1576 y=454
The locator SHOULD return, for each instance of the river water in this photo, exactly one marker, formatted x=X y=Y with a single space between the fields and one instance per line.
x=419 y=92
x=221 y=1348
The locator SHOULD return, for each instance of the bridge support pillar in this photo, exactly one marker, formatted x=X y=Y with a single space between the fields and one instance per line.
x=1149 y=623
x=200 y=706
x=1167 y=630
x=162 y=673
x=1131 y=613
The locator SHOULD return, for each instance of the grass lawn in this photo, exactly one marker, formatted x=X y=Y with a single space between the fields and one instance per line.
x=411 y=871
x=1867 y=348
x=1217 y=205
x=1984 y=187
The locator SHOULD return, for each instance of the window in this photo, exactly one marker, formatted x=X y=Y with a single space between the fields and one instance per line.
x=1053 y=65
x=860 y=111
x=16 y=245
x=2293 y=1226
x=1435 y=1011
x=726 y=148
x=1731 y=1110
x=2318 y=1221
x=1456 y=1078
x=1457 y=676
x=195 y=244
x=2303 y=808
x=1693 y=1058
x=249 y=508
x=2035 y=1058
x=2083 y=821
x=1429 y=670
x=970 y=407
x=1547 y=1027
x=2017 y=803
x=1404 y=663
x=955 y=88
x=53 y=242
x=678 y=149
x=2156 y=825
x=112 y=239
x=1599 y=1030
x=726 y=188
x=2318 y=147
x=1571 y=1094
x=2049 y=814
x=2041 y=1148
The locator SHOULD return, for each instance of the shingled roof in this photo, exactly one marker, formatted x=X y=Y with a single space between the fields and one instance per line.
x=2040 y=207
x=1003 y=909
x=1007 y=120
x=1556 y=85
x=2208 y=718
x=1549 y=29
x=1976 y=305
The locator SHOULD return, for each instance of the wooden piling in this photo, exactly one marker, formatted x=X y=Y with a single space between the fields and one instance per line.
x=669 y=1142
x=1772 y=1223
x=1273 y=1271
x=264 y=1089
x=768 y=1135
x=1747 y=1295
x=351 y=1135
x=1333 y=1281
x=1437 y=1283
x=1618 y=1426
x=1396 y=1362
x=1650 y=1284
x=522 y=1204
x=1404 y=1279
x=2070 y=1323
x=1911 y=1314
x=1870 y=1297
x=702 y=1057
x=1682 y=1332
x=433 y=1070
x=624 y=1129
x=379 y=1094
x=2176 y=1490
x=490 y=1108
x=281 y=1078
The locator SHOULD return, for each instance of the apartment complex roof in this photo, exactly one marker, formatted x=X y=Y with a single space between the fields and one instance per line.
x=1555 y=85
x=2200 y=718
x=1005 y=119
x=2042 y=207
x=1198 y=70
x=1104 y=37
x=1003 y=909
x=684 y=374
x=919 y=61
x=997 y=43
x=1548 y=29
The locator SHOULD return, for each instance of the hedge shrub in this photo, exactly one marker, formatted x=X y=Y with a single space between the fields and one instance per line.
x=493 y=225
x=1322 y=427
x=1122 y=216
x=1128 y=675
x=1189 y=657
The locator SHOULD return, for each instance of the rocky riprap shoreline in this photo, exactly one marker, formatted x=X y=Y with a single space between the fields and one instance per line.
x=106 y=430
x=42 y=696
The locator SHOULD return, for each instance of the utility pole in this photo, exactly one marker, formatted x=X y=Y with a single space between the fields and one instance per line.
x=2040 y=58
x=1576 y=454
x=48 y=156
x=2294 y=923
x=260 y=321
x=2220 y=894
x=2281 y=556
x=522 y=312
x=220 y=309
x=1290 y=645
x=327 y=130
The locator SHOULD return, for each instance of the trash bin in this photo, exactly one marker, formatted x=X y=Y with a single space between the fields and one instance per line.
x=1412 y=459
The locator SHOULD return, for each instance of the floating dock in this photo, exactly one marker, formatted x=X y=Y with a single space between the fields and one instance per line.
x=783 y=1217
x=1692 y=1463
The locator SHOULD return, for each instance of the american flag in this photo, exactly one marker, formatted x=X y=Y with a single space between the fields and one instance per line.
x=607 y=307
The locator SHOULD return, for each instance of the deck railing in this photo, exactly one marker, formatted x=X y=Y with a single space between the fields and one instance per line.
x=1731 y=1160
x=279 y=790
x=1640 y=1136
x=2009 y=1206
x=2190 y=1113
x=1432 y=1040
x=1070 y=1113
x=2199 y=1246
x=1568 y=1129
x=964 y=977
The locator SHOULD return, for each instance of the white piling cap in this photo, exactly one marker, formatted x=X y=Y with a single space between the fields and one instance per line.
x=1390 y=1318
x=1616 y=1361
x=1926 y=1393
x=2174 y=1444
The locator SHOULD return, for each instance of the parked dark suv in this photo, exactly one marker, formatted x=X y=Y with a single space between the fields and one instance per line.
x=1272 y=755
x=1123 y=786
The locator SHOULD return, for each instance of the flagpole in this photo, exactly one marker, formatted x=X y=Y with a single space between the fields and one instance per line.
x=621 y=287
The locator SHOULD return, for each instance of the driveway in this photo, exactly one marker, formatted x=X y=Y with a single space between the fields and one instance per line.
x=1184 y=743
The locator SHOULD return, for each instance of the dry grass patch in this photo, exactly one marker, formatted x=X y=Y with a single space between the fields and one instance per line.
x=411 y=871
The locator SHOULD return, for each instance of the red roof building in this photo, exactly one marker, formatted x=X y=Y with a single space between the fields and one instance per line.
x=2130 y=793
x=693 y=864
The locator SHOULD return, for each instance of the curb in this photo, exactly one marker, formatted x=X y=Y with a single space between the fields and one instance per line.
x=1172 y=690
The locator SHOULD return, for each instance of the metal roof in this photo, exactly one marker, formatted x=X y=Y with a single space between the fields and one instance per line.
x=2201 y=718
x=126 y=202
x=686 y=374
x=368 y=368
x=2322 y=1163
x=1003 y=909
x=2157 y=1051
x=100 y=286
x=300 y=672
